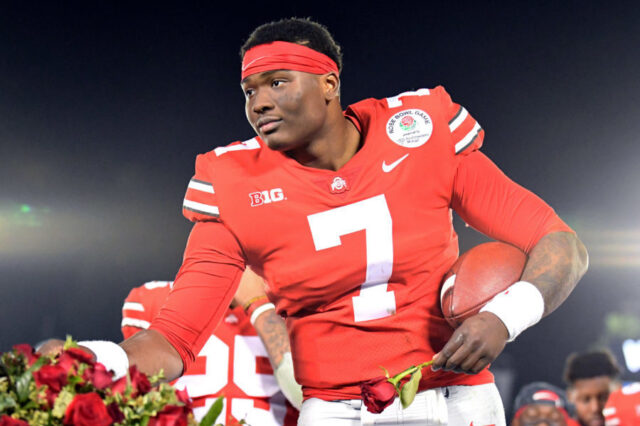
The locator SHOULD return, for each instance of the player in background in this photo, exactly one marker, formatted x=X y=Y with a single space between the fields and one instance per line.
x=623 y=406
x=590 y=378
x=595 y=388
x=347 y=215
x=542 y=404
x=237 y=361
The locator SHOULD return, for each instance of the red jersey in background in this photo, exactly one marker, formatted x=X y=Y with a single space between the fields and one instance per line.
x=233 y=363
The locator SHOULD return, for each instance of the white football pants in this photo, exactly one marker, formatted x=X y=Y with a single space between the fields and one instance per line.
x=447 y=406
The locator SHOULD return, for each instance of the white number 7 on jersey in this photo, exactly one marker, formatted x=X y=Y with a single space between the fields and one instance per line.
x=371 y=215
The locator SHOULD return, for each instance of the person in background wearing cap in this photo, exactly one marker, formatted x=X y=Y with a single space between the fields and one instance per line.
x=347 y=215
x=542 y=404
x=590 y=378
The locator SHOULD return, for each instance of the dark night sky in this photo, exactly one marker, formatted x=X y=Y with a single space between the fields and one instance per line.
x=103 y=109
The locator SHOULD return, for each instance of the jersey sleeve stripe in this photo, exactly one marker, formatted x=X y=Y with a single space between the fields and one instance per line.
x=204 y=209
x=468 y=138
x=157 y=284
x=132 y=322
x=396 y=101
x=242 y=146
x=200 y=185
x=133 y=306
x=458 y=119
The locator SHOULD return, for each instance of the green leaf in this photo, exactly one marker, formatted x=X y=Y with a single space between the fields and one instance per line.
x=39 y=363
x=4 y=372
x=157 y=378
x=213 y=413
x=408 y=392
x=6 y=402
x=69 y=343
x=386 y=372
x=22 y=386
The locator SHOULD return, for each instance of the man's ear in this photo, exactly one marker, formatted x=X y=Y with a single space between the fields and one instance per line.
x=331 y=86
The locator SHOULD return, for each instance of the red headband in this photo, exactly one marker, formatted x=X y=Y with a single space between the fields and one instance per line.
x=282 y=55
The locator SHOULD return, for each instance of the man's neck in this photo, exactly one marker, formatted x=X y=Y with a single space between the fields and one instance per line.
x=332 y=150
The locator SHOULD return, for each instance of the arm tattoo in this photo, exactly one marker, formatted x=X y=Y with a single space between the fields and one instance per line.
x=273 y=333
x=555 y=265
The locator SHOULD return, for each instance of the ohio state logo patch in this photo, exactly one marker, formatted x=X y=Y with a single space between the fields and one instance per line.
x=339 y=185
x=410 y=128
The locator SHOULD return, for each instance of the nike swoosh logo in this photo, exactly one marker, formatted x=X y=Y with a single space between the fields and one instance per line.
x=244 y=68
x=388 y=167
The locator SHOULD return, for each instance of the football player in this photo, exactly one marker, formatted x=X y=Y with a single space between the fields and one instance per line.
x=234 y=361
x=623 y=406
x=542 y=404
x=347 y=215
x=590 y=379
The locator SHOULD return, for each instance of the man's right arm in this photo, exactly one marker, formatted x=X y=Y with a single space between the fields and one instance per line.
x=151 y=352
x=209 y=276
x=201 y=293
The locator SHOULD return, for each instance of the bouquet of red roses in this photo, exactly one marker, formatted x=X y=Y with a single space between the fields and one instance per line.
x=72 y=389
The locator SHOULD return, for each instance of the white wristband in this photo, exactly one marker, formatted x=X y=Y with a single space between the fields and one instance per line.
x=519 y=307
x=109 y=354
x=287 y=382
x=259 y=310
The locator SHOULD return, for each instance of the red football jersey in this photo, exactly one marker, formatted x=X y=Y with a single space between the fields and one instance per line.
x=353 y=258
x=623 y=406
x=233 y=363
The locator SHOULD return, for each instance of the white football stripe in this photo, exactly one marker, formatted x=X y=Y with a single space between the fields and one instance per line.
x=213 y=210
x=246 y=145
x=447 y=285
x=132 y=322
x=463 y=113
x=200 y=186
x=133 y=306
x=156 y=284
x=468 y=138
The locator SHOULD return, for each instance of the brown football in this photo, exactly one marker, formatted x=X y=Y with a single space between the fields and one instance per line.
x=476 y=277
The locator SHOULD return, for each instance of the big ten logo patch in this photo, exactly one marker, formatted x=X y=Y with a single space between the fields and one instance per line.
x=265 y=197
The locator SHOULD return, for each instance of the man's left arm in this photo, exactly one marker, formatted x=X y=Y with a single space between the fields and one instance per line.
x=490 y=202
x=555 y=265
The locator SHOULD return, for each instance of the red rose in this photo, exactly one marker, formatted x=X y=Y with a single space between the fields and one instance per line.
x=27 y=351
x=66 y=362
x=72 y=357
x=80 y=355
x=171 y=415
x=53 y=376
x=140 y=384
x=114 y=411
x=10 y=421
x=87 y=409
x=119 y=386
x=51 y=397
x=183 y=396
x=139 y=381
x=98 y=376
x=377 y=394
